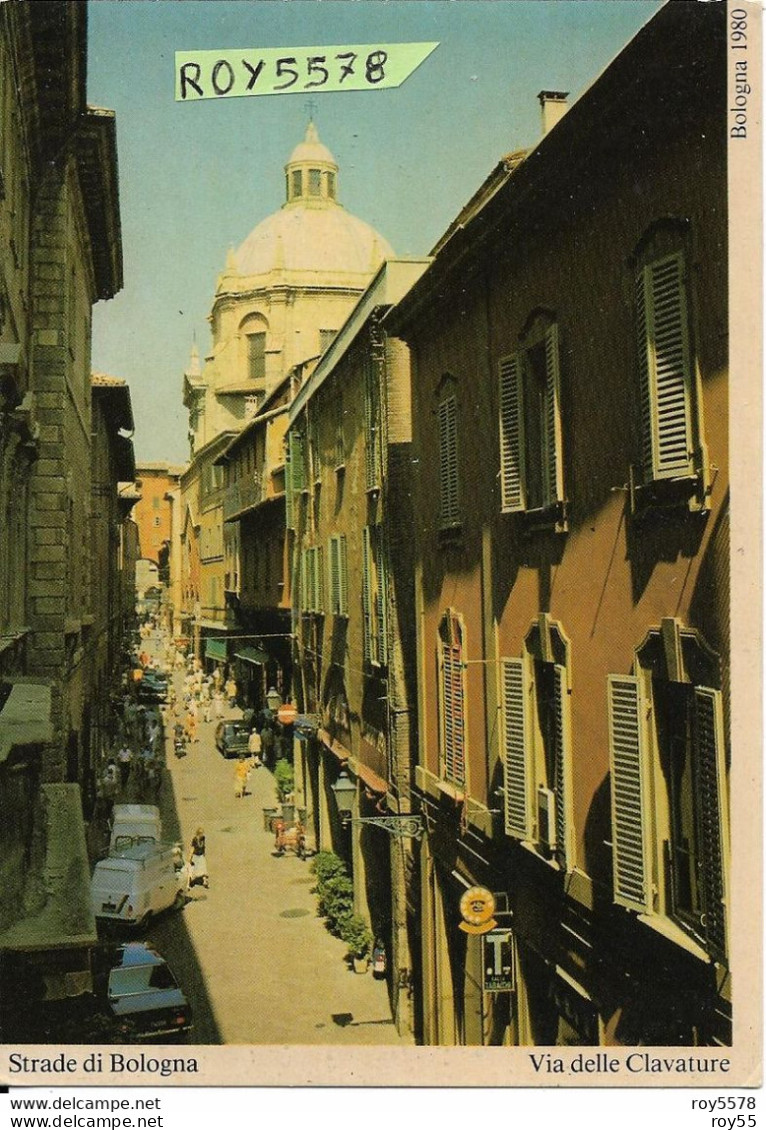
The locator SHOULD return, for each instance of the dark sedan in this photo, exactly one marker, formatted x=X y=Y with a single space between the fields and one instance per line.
x=231 y=738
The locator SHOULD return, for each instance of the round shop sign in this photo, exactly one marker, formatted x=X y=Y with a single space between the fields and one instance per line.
x=287 y=713
x=477 y=907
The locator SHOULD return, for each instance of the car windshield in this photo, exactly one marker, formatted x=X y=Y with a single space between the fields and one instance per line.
x=139 y=979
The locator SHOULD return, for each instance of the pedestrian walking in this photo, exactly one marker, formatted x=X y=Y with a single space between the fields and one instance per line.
x=267 y=746
x=191 y=724
x=109 y=786
x=218 y=705
x=241 y=773
x=198 y=860
x=254 y=747
x=231 y=690
x=124 y=758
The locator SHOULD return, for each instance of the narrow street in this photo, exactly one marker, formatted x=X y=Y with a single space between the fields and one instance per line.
x=256 y=962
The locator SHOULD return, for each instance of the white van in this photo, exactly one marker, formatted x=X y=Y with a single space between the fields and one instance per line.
x=135 y=824
x=135 y=882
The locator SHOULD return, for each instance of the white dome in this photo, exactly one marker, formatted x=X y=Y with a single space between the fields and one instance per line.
x=302 y=238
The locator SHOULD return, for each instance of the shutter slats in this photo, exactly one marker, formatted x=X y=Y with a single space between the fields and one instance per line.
x=666 y=372
x=711 y=812
x=366 y=587
x=553 y=470
x=343 y=583
x=562 y=784
x=632 y=880
x=516 y=745
x=511 y=436
x=454 y=722
x=449 y=511
x=334 y=576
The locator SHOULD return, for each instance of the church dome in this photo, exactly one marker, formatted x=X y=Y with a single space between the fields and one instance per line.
x=311 y=232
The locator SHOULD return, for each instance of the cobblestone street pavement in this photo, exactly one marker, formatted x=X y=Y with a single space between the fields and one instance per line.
x=268 y=967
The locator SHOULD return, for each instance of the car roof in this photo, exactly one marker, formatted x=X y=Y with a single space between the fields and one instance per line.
x=139 y=953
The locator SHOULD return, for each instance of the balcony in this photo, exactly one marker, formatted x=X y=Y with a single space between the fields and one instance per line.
x=242 y=496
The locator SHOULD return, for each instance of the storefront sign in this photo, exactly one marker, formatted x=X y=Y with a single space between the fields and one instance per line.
x=497 y=962
x=477 y=907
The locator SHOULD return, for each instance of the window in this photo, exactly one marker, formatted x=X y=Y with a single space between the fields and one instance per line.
x=452 y=698
x=449 y=502
x=531 y=466
x=374 y=598
x=372 y=420
x=340 y=437
x=256 y=356
x=312 y=597
x=156 y=502
x=669 y=427
x=297 y=175
x=669 y=794
x=330 y=185
x=315 y=182
x=537 y=743
x=338 y=575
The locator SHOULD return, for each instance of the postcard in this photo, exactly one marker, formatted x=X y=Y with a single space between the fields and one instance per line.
x=380 y=566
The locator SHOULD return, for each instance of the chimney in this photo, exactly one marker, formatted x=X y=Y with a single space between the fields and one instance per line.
x=554 y=106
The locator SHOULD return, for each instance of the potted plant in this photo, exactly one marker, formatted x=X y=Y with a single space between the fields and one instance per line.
x=357 y=936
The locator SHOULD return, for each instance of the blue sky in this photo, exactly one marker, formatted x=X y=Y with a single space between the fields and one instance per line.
x=196 y=177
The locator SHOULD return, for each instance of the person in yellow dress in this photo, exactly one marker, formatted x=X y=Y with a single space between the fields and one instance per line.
x=241 y=773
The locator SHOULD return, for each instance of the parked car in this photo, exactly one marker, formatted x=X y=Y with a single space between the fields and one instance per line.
x=231 y=738
x=143 y=995
x=135 y=824
x=153 y=687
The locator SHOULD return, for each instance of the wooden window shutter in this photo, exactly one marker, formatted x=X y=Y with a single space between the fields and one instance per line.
x=453 y=752
x=343 y=576
x=712 y=813
x=319 y=578
x=665 y=369
x=517 y=748
x=305 y=582
x=289 y=504
x=381 y=603
x=449 y=515
x=554 y=464
x=367 y=622
x=562 y=785
x=631 y=819
x=334 y=576
x=372 y=428
x=298 y=461
x=513 y=495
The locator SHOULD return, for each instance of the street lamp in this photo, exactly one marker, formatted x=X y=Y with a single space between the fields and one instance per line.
x=400 y=826
x=273 y=699
x=345 y=795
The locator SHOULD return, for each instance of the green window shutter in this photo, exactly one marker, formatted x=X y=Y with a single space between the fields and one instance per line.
x=453 y=752
x=382 y=605
x=298 y=461
x=665 y=369
x=319 y=578
x=334 y=576
x=369 y=650
x=449 y=513
x=343 y=576
x=630 y=800
x=562 y=785
x=516 y=748
x=289 y=505
x=554 y=464
x=305 y=572
x=372 y=428
x=712 y=813
x=511 y=435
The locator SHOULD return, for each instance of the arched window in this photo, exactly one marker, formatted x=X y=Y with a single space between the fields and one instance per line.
x=315 y=182
x=253 y=330
x=669 y=786
x=537 y=743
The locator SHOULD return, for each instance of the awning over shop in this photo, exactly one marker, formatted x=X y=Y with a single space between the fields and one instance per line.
x=26 y=717
x=215 y=649
x=249 y=654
